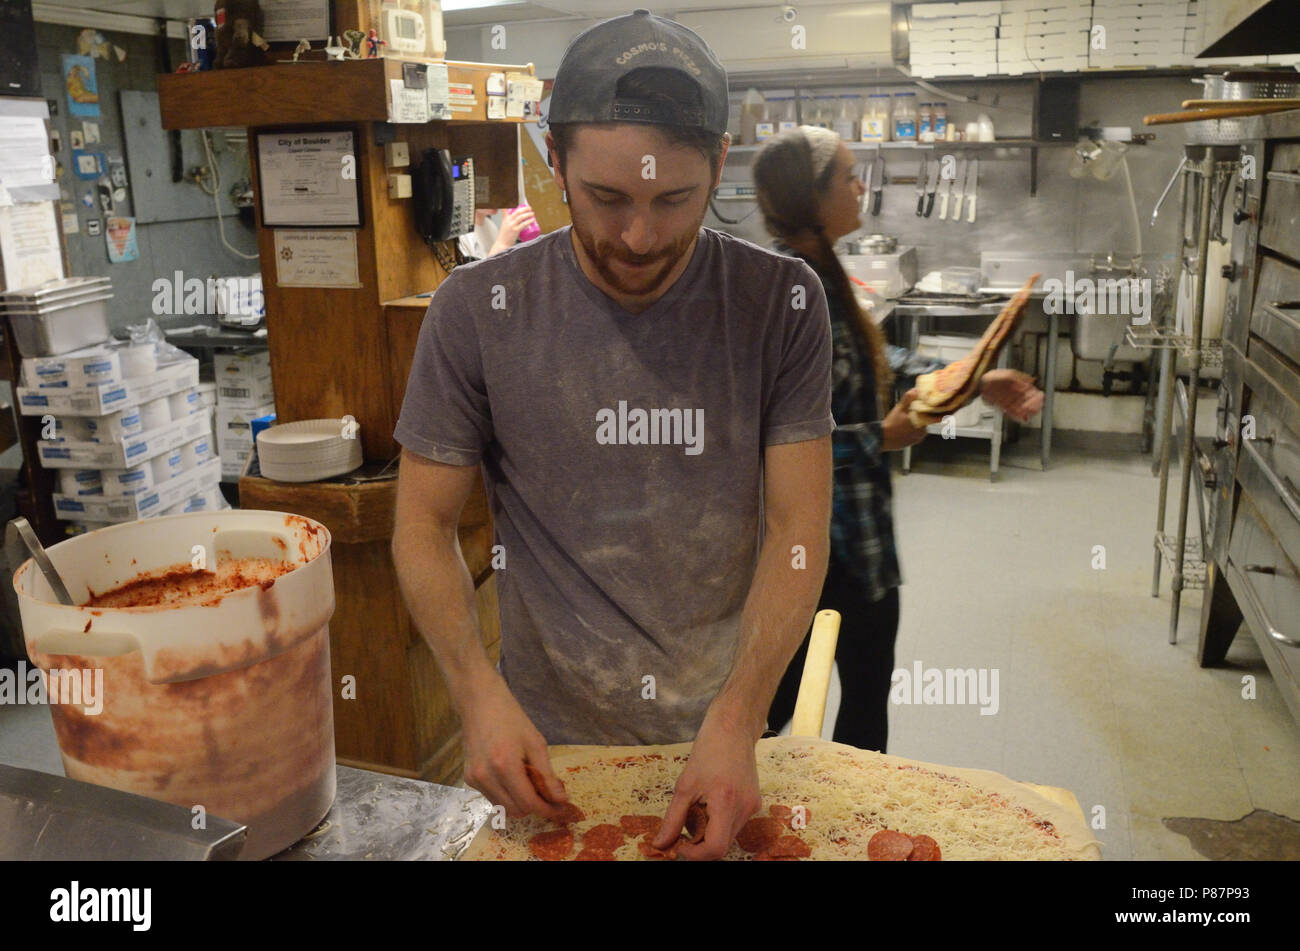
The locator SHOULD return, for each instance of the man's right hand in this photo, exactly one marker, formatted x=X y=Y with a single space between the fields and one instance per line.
x=499 y=738
x=897 y=428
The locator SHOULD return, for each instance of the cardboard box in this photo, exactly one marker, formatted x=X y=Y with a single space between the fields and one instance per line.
x=123 y=453
x=246 y=393
x=144 y=504
x=931 y=11
x=108 y=398
x=243 y=379
x=234 y=433
x=90 y=366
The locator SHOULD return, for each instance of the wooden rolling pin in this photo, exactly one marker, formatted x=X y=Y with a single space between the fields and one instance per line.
x=1225 y=112
x=810 y=708
x=1212 y=103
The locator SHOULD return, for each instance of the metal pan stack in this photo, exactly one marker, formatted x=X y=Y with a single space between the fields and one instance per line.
x=58 y=316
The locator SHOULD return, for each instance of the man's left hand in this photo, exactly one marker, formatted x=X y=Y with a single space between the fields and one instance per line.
x=1012 y=392
x=722 y=774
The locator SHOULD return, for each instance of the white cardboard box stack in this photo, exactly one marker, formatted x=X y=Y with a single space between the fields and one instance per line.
x=1138 y=33
x=126 y=455
x=954 y=39
x=244 y=393
x=1043 y=35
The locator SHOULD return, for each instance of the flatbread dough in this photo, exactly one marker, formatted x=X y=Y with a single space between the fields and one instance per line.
x=949 y=388
x=850 y=794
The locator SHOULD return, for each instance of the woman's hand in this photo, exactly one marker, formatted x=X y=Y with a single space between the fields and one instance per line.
x=1012 y=392
x=897 y=428
x=512 y=223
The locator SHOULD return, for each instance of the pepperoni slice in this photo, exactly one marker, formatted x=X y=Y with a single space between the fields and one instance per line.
x=760 y=832
x=924 y=849
x=594 y=855
x=539 y=783
x=697 y=817
x=789 y=846
x=781 y=812
x=889 y=846
x=649 y=851
x=639 y=825
x=552 y=846
x=605 y=838
x=569 y=813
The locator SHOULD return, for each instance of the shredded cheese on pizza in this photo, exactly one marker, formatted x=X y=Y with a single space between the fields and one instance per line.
x=849 y=795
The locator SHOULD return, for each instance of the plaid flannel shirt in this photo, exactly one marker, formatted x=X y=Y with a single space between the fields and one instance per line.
x=862 y=521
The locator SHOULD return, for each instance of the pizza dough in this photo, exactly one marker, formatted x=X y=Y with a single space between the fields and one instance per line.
x=848 y=795
x=949 y=388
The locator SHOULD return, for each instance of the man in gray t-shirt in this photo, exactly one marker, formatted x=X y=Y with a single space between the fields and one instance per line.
x=649 y=402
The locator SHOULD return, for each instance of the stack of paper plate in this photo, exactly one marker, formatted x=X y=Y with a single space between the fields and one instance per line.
x=309 y=450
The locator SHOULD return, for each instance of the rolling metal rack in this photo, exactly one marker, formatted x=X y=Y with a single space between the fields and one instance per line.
x=1206 y=174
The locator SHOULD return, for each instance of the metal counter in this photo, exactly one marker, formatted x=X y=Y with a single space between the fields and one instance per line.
x=382 y=817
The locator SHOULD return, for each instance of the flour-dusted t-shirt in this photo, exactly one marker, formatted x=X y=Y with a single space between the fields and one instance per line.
x=623 y=454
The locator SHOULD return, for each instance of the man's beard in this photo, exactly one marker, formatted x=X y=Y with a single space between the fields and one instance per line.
x=602 y=254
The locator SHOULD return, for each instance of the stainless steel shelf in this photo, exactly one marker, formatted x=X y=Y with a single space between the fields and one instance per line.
x=1194 y=571
x=1161 y=338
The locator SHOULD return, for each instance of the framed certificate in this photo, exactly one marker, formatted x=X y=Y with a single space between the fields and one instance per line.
x=307 y=178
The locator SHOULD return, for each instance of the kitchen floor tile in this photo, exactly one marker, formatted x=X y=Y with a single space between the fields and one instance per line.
x=1153 y=842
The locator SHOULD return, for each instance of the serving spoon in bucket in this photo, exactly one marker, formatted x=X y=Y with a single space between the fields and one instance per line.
x=19 y=530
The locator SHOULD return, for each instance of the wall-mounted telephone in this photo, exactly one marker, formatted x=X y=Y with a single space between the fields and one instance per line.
x=443 y=193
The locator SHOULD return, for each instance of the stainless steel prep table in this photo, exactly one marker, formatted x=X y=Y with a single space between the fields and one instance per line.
x=383 y=817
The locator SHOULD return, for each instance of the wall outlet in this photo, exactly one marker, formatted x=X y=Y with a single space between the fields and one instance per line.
x=397 y=155
x=399 y=186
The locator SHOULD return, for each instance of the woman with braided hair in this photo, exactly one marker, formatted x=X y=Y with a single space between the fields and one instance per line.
x=809 y=198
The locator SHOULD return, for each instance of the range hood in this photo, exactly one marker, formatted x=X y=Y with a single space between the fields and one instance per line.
x=762 y=41
x=1249 y=27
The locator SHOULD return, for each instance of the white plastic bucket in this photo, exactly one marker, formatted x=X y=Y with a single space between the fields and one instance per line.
x=225 y=705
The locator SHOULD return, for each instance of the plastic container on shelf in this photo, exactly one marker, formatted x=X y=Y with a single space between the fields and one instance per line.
x=850 y=115
x=940 y=112
x=786 y=119
x=825 y=111
x=904 y=113
x=924 y=122
x=876 y=120
x=752 y=110
x=765 y=127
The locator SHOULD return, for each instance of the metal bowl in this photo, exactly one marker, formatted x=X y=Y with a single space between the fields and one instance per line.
x=1250 y=84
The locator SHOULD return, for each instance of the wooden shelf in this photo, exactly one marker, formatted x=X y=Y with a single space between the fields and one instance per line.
x=305 y=93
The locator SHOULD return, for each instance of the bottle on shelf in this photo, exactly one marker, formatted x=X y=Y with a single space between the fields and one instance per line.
x=751 y=113
x=924 y=122
x=785 y=120
x=904 y=117
x=846 y=123
x=825 y=111
x=765 y=127
x=940 y=112
x=876 y=122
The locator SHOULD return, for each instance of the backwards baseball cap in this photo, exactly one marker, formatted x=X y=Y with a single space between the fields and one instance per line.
x=586 y=85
